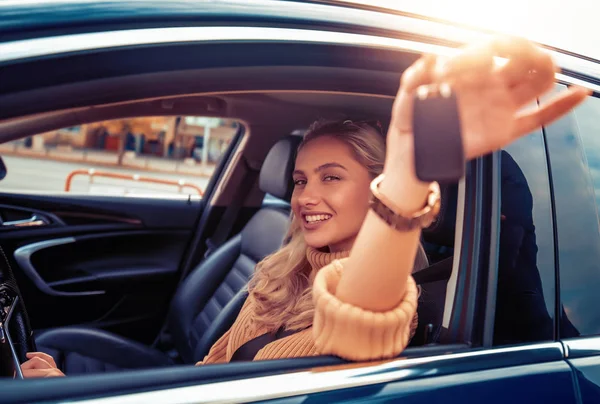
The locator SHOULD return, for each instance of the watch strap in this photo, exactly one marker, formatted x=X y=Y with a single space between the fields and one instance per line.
x=390 y=214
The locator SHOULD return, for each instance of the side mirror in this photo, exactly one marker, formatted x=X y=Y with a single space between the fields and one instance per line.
x=2 y=169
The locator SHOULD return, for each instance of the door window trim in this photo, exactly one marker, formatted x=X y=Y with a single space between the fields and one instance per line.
x=316 y=381
x=73 y=43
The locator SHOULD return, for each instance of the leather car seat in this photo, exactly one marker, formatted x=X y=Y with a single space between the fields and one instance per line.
x=196 y=317
x=433 y=280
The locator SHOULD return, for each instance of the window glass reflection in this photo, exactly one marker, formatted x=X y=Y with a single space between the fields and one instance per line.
x=526 y=282
x=572 y=144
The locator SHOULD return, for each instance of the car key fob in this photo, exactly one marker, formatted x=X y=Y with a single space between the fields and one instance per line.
x=438 y=146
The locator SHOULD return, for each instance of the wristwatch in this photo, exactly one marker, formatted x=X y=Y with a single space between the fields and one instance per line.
x=390 y=213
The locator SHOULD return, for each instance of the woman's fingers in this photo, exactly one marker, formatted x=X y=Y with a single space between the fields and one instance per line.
x=522 y=58
x=418 y=74
x=528 y=72
x=40 y=365
x=528 y=67
x=538 y=80
x=42 y=355
x=36 y=363
x=31 y=373
x=550 y=111
x=471 y=67
x=529 y=91
x=535 y=66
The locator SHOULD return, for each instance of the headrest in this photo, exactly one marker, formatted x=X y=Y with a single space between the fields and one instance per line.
x=276 y=172
x=441 y=232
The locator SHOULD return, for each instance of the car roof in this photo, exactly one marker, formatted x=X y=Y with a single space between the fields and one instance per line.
x=22 y=19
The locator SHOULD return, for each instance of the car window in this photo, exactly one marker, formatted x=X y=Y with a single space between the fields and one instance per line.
x=140 y=155
x=526 y=268
x=576 y=173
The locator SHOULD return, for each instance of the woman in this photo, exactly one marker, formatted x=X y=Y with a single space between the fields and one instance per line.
x=335 y=164
x=361 y=304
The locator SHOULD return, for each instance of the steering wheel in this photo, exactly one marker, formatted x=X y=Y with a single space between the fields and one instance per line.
x=18 y=335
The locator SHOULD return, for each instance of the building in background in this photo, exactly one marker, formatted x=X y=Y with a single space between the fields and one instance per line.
x=201 y=139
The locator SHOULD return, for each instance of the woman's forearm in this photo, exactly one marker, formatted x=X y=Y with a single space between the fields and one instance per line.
x=382 y=258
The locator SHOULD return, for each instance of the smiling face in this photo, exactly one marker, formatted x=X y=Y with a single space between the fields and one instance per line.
x=331 y=193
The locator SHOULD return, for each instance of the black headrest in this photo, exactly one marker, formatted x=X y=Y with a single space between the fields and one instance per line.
x=276 y=172
x=441 y=232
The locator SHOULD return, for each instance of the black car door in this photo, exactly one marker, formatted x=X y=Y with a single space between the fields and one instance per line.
x=96 y=226
x=110 y=262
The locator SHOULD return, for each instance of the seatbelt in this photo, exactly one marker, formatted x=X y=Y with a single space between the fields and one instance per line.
x=247 y=352
x=231 y=212
x=440 y=271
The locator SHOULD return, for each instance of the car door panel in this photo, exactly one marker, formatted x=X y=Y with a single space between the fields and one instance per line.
x=109 y=262
x=587 y=371
x=82 y=209
x=469 y=379
x=548 y=383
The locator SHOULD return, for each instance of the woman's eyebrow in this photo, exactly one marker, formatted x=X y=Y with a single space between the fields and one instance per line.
x=330 y=165
x=321 y=168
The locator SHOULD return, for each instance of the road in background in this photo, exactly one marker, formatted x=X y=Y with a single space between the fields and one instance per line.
x=30 y=174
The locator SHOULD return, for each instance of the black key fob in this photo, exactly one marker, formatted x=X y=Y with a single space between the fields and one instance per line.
x=439 y=153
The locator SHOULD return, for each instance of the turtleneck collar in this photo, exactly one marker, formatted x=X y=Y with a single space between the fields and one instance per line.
x=318 y=259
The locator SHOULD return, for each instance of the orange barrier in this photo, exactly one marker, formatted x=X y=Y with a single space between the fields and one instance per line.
x=181 y=184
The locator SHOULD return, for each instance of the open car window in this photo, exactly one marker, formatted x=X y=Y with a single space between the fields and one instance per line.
x=162 y=155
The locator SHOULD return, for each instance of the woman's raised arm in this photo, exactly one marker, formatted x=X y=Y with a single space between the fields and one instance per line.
x=376 y=277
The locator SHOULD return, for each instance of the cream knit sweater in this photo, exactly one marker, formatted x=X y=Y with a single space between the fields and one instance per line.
x=338 y=328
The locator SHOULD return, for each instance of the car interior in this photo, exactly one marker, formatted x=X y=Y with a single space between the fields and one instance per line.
x=134 y=283
x=207 y=300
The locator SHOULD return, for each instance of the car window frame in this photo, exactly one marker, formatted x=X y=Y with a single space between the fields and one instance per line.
x=582 y=345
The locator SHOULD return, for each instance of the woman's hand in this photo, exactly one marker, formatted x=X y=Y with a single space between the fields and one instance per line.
x=40 y=365
x=491 y=96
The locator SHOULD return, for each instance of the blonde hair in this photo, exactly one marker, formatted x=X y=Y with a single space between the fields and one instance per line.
x=281 y=285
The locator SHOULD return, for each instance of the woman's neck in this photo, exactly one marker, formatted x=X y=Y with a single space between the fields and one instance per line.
x=344 y=245
x=318 y=259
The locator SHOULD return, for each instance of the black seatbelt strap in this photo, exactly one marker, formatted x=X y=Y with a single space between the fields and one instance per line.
x=248 y=351
x=437 y=272
x=223 y=230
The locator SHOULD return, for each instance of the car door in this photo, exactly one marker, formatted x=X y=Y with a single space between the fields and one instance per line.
x=486 y=367
x=514 y=355
x=575 y=153
x=508 y=311
x=91 y=258
x=109 y=262
x=96 y=220
x=494 y=364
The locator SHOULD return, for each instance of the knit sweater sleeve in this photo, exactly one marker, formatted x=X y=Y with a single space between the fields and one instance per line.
x=354 y=333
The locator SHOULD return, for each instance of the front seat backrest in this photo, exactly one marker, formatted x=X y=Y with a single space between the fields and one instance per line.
x=210 y=286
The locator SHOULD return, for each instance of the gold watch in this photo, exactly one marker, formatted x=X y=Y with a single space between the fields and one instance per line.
x=390 y=213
